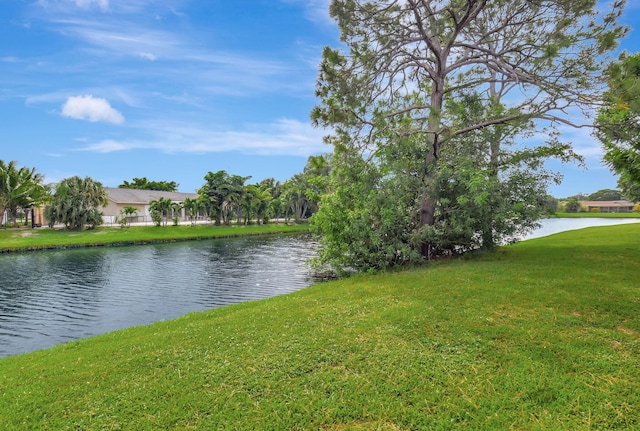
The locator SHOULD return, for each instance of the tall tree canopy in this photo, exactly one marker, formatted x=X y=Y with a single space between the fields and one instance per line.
x=422 y=105
x=619 y=123
x=605 y=195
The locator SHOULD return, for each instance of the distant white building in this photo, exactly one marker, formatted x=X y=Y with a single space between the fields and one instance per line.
x=608 y=206
x=139 y=199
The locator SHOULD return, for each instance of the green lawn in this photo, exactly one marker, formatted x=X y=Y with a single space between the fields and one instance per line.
x=542 y=335
x=43 y=238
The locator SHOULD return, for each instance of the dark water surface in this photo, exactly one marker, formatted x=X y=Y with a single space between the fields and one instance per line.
x=47 y=298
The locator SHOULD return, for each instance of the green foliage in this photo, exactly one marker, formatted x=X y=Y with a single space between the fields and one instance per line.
x=366 y=220
x=125 y=215
x=618 y=123
x=605 y=195
x=425 y=128
x=193 y=208
x=76 y=202
x=145 y=184
x=630 y=189
x=572 y=206
x=550 y=205
x=222 y=195
x=156 y=216
x=162 y=209
x=20 y=189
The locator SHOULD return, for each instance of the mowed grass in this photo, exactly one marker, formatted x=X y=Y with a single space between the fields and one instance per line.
x=45 y=238
x=542 y=335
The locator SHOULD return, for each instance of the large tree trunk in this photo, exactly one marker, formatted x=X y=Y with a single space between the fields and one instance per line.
x=429 y=197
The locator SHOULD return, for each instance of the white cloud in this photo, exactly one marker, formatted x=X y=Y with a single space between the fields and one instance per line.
x=283 y=137
x=92 y=109
x=147 y=56
x=63 y=5
x=106 y=146
x=103 y=4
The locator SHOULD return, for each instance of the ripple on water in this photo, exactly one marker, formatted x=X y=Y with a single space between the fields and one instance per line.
x=51 y=297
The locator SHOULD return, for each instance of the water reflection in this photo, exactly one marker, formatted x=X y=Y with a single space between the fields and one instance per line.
x=51 y=297
x=556 y=225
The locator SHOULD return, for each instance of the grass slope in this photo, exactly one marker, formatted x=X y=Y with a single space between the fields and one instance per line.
x=39 y=239
x=541 y=335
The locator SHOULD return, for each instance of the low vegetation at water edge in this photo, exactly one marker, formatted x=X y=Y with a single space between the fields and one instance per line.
x=44 y=238
x=540 y=335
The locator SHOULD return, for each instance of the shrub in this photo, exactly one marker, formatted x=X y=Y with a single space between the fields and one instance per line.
x=156 y=217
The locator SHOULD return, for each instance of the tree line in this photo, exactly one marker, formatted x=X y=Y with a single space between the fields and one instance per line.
x=223 y=198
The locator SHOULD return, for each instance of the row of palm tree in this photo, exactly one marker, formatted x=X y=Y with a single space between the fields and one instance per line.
x=21 y=189
x=225 y=198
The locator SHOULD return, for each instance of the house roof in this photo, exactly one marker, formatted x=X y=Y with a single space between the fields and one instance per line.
x=606 y=204
x=135 y=196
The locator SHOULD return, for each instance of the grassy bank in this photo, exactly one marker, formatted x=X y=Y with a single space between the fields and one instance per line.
x=597 y=215
x=45 y=238
x=541 y=335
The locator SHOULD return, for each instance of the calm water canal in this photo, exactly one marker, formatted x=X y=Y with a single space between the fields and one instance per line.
x=47 y=298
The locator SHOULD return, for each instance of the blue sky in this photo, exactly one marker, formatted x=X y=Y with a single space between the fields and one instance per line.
x=173 y=89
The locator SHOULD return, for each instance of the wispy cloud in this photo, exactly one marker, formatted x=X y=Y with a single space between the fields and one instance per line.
x=315 y=10
x=180 y=60
x=92 y=109
x=283 y=137
x=121 y=38
x=106 y=146
x=102 y=4
x=112 y=6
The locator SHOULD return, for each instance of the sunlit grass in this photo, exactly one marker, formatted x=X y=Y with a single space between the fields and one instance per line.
x=541 y=335
x=43 y=238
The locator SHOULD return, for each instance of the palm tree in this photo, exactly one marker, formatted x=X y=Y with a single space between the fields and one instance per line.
x=4 y=168
x=193 y=207
x=175 y=208
x=75 y=203
x=224 y=195
x=294 y=196
x=214 y=193
x=128 y=212
x=248 y=202
x=20 y=189
x=161 y=207
x=263 y=198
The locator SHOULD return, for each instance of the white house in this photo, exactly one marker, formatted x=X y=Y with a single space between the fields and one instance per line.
x=139 y=199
